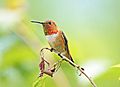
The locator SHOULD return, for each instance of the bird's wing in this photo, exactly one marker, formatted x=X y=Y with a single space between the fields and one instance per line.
x=66 y=46
x=65 y=42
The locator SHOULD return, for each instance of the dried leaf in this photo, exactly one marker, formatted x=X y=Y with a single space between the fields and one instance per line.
x=42 y=67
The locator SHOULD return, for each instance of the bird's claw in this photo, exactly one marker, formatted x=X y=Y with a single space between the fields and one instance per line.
x=52 y=49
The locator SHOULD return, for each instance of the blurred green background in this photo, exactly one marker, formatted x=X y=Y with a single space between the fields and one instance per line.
x=91 y=26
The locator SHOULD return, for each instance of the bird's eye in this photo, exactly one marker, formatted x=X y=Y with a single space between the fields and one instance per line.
x=49 y=23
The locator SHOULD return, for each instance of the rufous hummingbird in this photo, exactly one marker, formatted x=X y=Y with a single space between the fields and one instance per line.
x=56 y=38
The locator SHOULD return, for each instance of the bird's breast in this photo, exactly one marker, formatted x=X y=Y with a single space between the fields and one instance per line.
x=56 y=42
x=52 y=38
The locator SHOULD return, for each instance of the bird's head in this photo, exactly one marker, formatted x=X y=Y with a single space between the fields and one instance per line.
x=49 y=26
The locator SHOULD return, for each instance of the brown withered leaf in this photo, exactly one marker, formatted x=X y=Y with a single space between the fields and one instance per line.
x=42 y=67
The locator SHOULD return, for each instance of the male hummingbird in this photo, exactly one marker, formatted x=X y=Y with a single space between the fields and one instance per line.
x=56 y=38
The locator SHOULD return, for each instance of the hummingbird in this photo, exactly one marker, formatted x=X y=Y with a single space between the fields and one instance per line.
x=56 y=38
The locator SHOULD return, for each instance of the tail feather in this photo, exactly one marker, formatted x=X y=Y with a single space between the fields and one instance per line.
x=70 y=57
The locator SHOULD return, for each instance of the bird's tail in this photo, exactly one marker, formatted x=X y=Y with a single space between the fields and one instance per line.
x=69 y=56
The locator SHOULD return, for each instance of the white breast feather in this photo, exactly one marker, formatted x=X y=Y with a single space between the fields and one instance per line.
x=52 y=37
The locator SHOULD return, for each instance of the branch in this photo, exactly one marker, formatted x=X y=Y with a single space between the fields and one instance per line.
x=51 y=71
x=80 y=69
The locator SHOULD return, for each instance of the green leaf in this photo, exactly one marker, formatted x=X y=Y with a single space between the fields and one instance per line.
x=40 y=82
x=118 y=65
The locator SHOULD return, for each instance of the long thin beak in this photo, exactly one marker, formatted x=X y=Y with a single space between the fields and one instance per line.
x=37 y=22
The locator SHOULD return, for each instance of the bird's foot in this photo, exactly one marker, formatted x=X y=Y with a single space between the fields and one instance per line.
x=52 y=49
